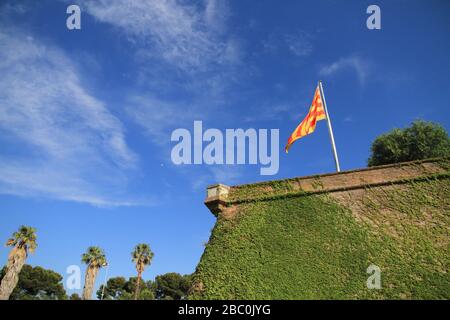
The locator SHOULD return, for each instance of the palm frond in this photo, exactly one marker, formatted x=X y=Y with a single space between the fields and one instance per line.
x=25 y=237
x=94 y=257
x=142 y=256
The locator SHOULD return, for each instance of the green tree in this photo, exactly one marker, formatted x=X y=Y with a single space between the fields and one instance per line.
x=172 y=286
x=114 y=289
x=146 y=294
x=74 y=296
x=169 y=286
x=118 y=288
x=95 y=259
x=37 y=284
x=23 y=242
x=142 y=256
x=419 y=141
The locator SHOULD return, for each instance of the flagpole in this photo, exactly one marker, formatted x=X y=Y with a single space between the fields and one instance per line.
x=330 y=129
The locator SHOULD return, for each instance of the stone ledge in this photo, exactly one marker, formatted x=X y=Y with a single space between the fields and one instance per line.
x=220 y=196
x=216 y=197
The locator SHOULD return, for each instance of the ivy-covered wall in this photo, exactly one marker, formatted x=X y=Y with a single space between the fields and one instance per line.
x=319 y=245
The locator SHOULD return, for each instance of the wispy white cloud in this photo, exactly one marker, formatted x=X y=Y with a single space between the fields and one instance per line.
x=216 y=14
x=159 y=117
x=182 y=49
x=270 y=112
x=59 y=180
x=348 y=119
x=187 y=59
x=9 y=7
x=62 y=141
x=359 y=65
x=183 y=35
x=297 y=43
x=229 y=174
x=290 y=108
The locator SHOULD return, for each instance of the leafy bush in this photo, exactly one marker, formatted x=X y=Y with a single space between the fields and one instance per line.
x=420 y=141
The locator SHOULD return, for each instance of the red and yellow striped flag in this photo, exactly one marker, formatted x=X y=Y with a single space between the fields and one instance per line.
x=308 y=125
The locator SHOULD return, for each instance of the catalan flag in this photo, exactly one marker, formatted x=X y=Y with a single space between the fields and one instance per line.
x=308 y=125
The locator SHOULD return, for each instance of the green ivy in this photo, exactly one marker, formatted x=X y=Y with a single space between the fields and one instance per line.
x=311 y=247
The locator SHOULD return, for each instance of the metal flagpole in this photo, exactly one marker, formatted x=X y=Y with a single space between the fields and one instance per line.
x=104 y=283
x=330 y=129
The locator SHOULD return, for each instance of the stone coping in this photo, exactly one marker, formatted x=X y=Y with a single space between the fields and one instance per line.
x=220 y=195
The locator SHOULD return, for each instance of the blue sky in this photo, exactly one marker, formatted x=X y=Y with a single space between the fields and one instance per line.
x=86 y=115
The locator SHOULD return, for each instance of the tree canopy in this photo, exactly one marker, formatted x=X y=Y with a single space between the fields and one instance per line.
x=119 y=288
x=25 y=238
x=419 y=141
x=142 y=256
x=75 y=296
x=172 y=286
x=169 y=286
x=95 y=257
x=37 y=283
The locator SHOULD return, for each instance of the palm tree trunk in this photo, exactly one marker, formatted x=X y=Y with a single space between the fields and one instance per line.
x=138 y=282
x=89 y=281
x=16 y=260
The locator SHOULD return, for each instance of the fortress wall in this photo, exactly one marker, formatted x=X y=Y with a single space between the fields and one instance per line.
x=218 y=195
x=314 y=237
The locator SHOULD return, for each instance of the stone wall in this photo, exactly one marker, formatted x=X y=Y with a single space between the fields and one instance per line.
x=221 y=198
x=314 y=237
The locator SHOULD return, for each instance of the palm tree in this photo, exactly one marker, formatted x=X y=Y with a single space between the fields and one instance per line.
x=142 y=257
x=23 y=242
x=95 y=259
